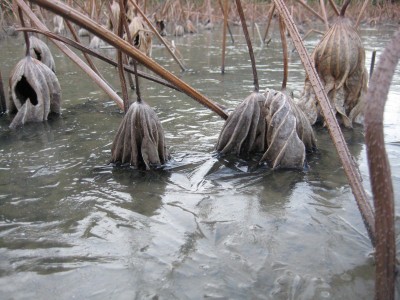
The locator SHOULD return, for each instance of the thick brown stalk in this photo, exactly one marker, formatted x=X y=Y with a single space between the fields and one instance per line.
x=82 y=48
x=158 y=35
x=249 y=46
x=335 y=132
x=121 y=74
x=379 y=169
x=64 y=10
x=225 y=10
x=75 y=58
x=285 y=52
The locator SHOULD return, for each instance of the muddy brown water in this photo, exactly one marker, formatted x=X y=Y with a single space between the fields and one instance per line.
x=74 y=227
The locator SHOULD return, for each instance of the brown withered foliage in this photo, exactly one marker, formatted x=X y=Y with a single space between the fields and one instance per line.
x=244 y=131
x=340 y=62
x=39 y=50
x=271 y=124
x=34 y=92
x=288 y=135
x=140 y=139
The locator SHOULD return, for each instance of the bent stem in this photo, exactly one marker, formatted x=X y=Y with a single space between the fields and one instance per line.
x=64 y=10
x=379 y=168
x=75 y=58
x=353 y=175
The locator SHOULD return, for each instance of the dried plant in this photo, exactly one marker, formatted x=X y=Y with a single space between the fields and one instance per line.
x=40 y=51
x=244 y=131
x=34 y=92
x=140 y=139
x=340 y=62
x=288 y=132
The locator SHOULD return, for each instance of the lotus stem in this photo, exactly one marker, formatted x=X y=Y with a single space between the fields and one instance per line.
x=344 y=7
x=371 y=68
x=227 y=24
x=82 y=48
x=75 y=58
x=121 y=74
x=322 y=3
x=154 y=30
x=361 y=13
x=270 y=14
x=135 y=68
x=311 y=10
x=379 y=168
x=225 y=11
x=335 y=132
x=249 y=46
x=285 y=53
x=3 y=107
x=61 y=8
x=26 y=36
x=333 y=5
x=87 y=57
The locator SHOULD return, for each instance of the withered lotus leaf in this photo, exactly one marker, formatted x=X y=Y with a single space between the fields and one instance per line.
x=286 y=127
x=140 y=139
x=39 y=50
x=340 y=62
x=34 y=92
x=244 y=131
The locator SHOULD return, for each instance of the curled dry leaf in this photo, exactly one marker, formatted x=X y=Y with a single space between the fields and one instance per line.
x=140 y=139
x=244 y=131
x=142 y=37
x=39 y=50
x=340 y=62
x=269 y=123
x=288 y=132
x=34 y=92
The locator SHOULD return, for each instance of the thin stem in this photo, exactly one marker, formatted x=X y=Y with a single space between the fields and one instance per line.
x=371 y=68
x=227 y=24
x=249 y=46
x=322 y=3
x=270 y=14
x=2 y=96
x=344 y=7
x=333 y=5
x=361 y=14
x=26 y=36
x=285 y=53
x=158 y=35
x=225 y=10
x=121 y=74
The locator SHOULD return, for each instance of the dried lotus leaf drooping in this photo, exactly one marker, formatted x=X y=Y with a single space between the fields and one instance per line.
x=340 y=62
x=34 y=92
x=244 y=131
x=140 y=139
x=288 y=132
x=39 y=50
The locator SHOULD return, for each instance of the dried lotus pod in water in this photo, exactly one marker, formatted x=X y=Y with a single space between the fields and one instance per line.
x=34 y=92
x=340 y=62
x=287 y=128
x=244 y=131
x=39 y=50
x=140 y=139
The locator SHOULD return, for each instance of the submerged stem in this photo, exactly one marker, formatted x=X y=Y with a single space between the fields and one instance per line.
x=249 y=46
